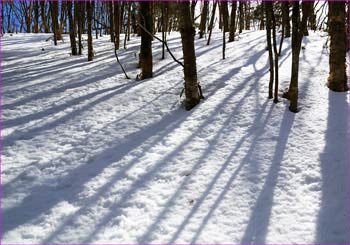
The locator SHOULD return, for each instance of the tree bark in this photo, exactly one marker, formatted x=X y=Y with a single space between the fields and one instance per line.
x=241 y=17
x=203 y=22
x=117 y=24
x=269 y=45
x=72 y=31
x=89 y=8
x=211 y=24
x=224 y=12
x=337 y=80
x=285 y=9
x=233 y=21
x=297 y=37
x=146 y=41
x=187 y=31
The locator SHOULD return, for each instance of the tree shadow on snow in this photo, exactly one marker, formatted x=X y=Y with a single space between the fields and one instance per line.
x=333 y=217
x=256 y=230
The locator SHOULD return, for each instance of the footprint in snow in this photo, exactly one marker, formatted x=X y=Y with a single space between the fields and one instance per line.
x=186 y=173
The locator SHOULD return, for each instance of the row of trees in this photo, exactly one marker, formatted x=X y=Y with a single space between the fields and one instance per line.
x=145 y=19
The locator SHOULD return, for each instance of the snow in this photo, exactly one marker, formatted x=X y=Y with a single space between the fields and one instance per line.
x=90 y=157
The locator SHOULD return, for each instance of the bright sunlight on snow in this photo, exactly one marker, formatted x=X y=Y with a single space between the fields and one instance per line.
x=91 y=157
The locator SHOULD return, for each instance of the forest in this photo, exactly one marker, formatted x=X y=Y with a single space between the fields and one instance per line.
x=175 y=122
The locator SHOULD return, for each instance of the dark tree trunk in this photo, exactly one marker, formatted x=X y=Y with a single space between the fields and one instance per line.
x=43 y=17
x=233 y=21
x=241 y=17
x=247 y=15
x=54 y=15
x=78 y=17
x=275 y=100
x=36 y=17
x=146 y=41
x=193 y=10
x=211 y=24
x=117 y=24
x=267 y=6
x=285 y=10
x=190 y=70
x=306 y=10
x=89 y=8
x=71 y=29
x=203 y=22
x=111 y=21
x=297 y=37
x=224 y=12
x=337 y=80
x=262 y=14
x=163 y=29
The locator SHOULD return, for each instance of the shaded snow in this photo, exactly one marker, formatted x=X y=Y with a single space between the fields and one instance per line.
x=90 y=157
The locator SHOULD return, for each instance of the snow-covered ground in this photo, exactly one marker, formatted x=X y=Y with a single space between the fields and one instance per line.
x=90 y=157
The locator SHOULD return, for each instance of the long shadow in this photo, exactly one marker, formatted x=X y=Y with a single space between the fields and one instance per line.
x=16 y=216
x=30 y=133
x=58 y=108
x=60 y=89
x=244 y=162
x=146 y=236
x=256 y=230
x=333 y=217
x=142 y=180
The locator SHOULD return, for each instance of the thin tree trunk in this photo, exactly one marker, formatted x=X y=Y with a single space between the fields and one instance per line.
x=297 y=37
x=89 y=7
x=193 y=10
x=187 y=31
x=203 y=22
x=36 y=17
x=267 y=6
x=275 y=100
x=285 y=7
x=211 y=24
x=117 y=24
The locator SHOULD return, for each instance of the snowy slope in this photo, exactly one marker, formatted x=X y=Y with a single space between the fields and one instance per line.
x=90 y=157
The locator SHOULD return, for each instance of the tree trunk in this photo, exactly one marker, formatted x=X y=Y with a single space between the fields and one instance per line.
x=71 y=29
x=117 y=24
x=54 y=15
x=267 y=6
x=241 y=17
x=211 y=24
x=78 y=17
x=224 y=12
x=89 y=8
x=193 y=10
x=285 y=7
x=247 y=15
x=275 y=100
x=297 y=37
x=43 y=17
x=337 y=80
x=36 y=17
x=187 y=31
x=203 y=22
x=146 y=41
x=233 y=21
x=111 y=21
